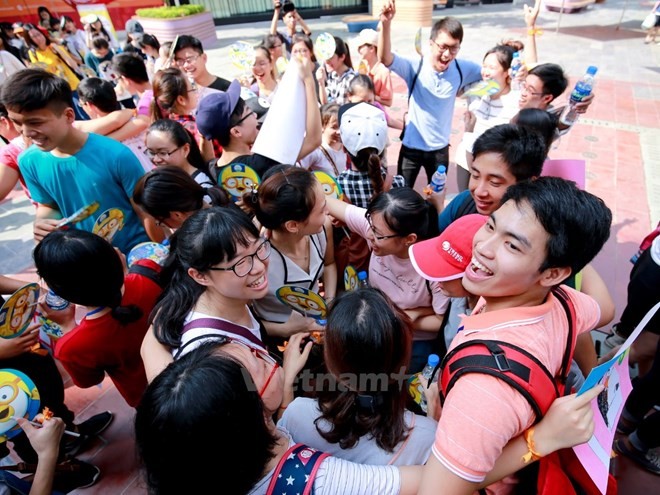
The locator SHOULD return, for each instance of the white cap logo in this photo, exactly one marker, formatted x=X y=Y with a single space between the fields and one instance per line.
x=446 y=246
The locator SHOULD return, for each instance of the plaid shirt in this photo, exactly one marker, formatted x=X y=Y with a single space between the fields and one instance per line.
x=357 y=186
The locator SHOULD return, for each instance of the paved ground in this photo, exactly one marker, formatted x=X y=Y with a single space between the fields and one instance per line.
x=619 y=139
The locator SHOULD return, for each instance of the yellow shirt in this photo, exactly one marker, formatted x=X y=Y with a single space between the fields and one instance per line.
x=54 y=65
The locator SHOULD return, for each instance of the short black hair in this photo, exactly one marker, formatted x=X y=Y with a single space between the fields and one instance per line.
x=523 y=149
x=449 y=25
x=553 y=78
x=187 y=41
x=33 y=89
x=99 y=42
x=577 y=222
x=131 y=66
x=98 y=92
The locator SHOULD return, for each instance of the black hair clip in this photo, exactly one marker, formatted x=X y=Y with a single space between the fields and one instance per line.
x=369 y=403
x=254 y=194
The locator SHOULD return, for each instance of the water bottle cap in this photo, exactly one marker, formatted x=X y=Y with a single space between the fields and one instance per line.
x=362 y=275
x=433 y=360
x=516 y=54
x=442 y=169
x=322 y=322
x=592 y=69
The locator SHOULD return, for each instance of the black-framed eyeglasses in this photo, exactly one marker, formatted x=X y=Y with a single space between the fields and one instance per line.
x=380 y=237
x=188 y=60
x=244 y=118
x=525 y=89
x=443 y=48
x=244 y=266
x=163 y=155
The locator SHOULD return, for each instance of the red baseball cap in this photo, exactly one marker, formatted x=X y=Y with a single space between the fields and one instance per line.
x=447 y=256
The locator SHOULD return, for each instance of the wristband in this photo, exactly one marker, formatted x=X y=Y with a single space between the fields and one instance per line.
x=533 y=31
x=532 y=454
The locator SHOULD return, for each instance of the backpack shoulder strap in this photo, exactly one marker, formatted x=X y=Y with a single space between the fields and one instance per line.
x=148 y=269
x=508 y=362
x=296 y=470
x=225 y=326
x=460 y=74
x=566 y=303
x=414 y=81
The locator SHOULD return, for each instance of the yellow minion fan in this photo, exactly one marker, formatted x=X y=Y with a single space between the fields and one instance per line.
x=19 y=397
x=109 y=223
x=331 y=187
x=237 y=179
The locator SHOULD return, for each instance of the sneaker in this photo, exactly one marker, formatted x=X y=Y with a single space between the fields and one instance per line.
x=96 y=424
x=648 y=460
x=73 y=474
x=87 y=430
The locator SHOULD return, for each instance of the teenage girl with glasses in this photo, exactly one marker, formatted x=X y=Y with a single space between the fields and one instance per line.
x=393 y=222
x=169 y=143
x=218 y=265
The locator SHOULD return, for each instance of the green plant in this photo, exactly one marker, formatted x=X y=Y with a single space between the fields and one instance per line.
x=170 y=12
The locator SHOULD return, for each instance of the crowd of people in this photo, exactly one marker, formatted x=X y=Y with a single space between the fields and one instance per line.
x=200 y=343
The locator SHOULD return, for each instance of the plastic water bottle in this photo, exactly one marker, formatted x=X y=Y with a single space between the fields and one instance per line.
x=363 y=280
x=439 y=179
x=582 y=89
x=516 y=65
x=55 y=302
x=431 y=363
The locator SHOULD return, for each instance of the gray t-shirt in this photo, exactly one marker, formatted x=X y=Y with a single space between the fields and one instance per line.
x=299 y=419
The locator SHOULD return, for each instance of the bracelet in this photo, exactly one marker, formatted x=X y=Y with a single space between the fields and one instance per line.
x=532 y=454
x=533 y=31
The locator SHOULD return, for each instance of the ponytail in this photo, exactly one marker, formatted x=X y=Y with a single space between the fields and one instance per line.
x=375 y=172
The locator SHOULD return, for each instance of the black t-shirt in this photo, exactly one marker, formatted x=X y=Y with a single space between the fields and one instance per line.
x=258 y=162
x=220 y=84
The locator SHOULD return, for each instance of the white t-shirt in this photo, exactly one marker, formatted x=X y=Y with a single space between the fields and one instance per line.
x=299 y=419
x=318 y=160
x=338 y=477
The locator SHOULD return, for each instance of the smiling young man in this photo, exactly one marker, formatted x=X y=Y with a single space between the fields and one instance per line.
x=433 y=83
x=67 y=169
x=503 y=155
x=191 y=59
x=545 y=230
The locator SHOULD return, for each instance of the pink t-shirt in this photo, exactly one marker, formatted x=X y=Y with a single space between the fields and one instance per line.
x=144 y=103
x=9 y=157
x=382 y=79
x=397 y=278
x=482 y=413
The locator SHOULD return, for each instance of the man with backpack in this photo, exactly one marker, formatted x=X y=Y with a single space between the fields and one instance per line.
x=545 y=230
x=432 y=88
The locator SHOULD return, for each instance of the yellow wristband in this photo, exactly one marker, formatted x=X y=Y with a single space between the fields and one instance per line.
x=533 y=31
x=532 y=454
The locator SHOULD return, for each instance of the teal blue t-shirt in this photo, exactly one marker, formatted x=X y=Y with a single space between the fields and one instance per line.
x=104 y=170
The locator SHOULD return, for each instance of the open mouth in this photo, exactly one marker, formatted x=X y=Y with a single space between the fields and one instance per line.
x=257 y=283
x=479 y=269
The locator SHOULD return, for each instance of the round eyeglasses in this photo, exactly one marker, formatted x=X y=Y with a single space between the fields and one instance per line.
x=244 y=266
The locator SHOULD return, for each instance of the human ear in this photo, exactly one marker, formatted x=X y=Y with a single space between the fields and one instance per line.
x=199 y=277
x=554 y=276
x=291 y=226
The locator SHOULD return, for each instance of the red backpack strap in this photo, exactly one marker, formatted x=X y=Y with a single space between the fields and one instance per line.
x=564 y=299
x=296 y=470
x=508 y=362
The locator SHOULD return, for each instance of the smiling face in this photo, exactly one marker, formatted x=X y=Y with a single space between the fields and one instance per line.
x=331 y=134
x=229 y=287
x=164 y=151
x=44 y=127
x=444 y=49
x=492 y=69
x=389 y=243
x=262 y=68
x=191 y=62
x=508 y=252
x=489 y=179
x=532 y=94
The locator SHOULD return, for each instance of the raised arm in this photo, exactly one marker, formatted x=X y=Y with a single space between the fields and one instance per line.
x=276 y=17
x=531 y=13
x=313 y=128
x=303 y=24
x=384 y=35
